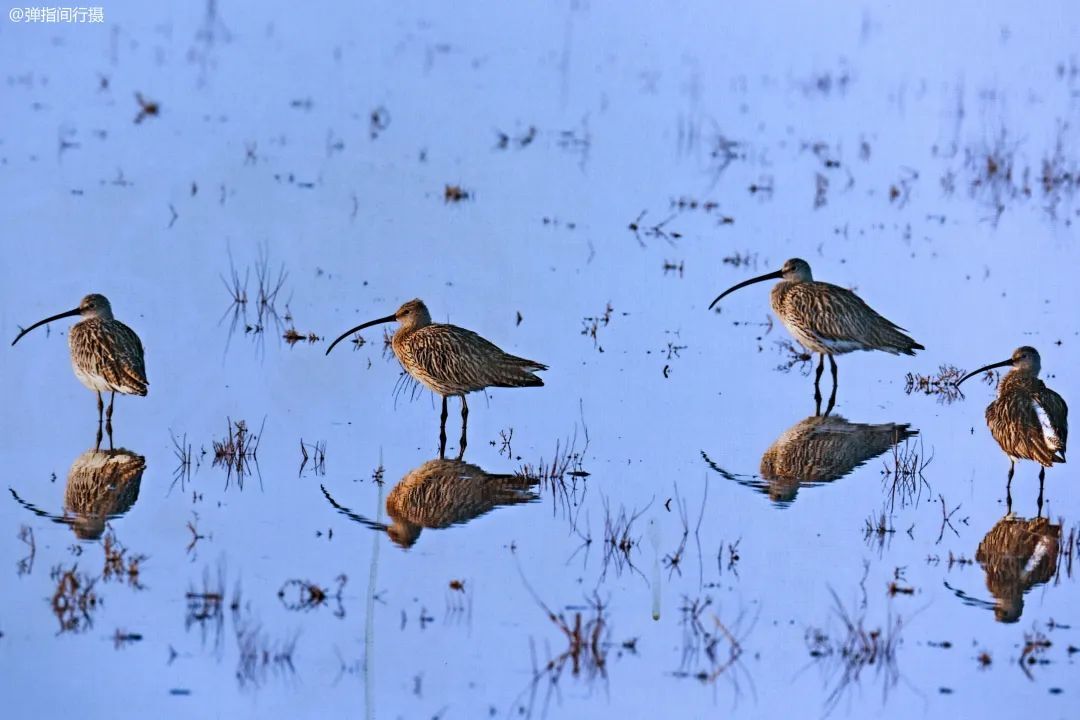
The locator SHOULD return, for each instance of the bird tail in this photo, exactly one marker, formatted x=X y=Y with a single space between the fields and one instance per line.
x=518 y=372
x=900 y=343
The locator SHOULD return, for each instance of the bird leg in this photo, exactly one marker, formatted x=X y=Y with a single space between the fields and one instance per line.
x=464 y=426
x=817 y=385
x=100 y=410
x=832 y=395
x=108 y=413
x=832 y=366
x=1042 y=477
x=442 y=430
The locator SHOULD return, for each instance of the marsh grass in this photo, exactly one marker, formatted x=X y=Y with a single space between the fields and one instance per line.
x=590 y=326
x=796 y=358
x=304 y=595
x=941 y=385
x=238 y=450
x=74 y=599
x=562 y=476
x=903 y=477
x=1036 y=645
x=844 y=654
x=260 y=656
x=587 y=636
x=183 y=453
x=620 y=539
x=119 y=563
x=712 y=649
x=269 y=291
x=25 y=565
x=205 y=608
x=291 y=337
x=316 y=454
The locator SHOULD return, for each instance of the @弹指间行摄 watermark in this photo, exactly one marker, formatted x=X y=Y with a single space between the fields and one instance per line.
x=70 y=15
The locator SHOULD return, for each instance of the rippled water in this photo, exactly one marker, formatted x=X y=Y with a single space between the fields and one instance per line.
x=576 y=183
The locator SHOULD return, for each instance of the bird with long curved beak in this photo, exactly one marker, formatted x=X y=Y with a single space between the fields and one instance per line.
x=1029 y=420
x=827 y=319
x=106 y=355
x=450 y=360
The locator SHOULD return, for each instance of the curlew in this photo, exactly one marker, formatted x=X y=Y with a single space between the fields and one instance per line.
x=827 y=319
x=819 y=449
x=1018 y=554
x=106 y=355
x=101 y=486
x=815 y=451
x=1029 y=420
x=441 y=493
x=450 y=361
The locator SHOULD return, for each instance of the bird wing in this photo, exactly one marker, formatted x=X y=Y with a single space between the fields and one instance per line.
x=112 y=350
x=1014 y=421
x=836 y=313
x=1053 y=416
x=449 y=351
x=461 y=357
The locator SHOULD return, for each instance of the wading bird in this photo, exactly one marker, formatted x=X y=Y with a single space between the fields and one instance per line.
x=819 y=449
x=106 y=354
x=827 y=319
x=450 y=361
x=1018 y=554
x=101 y=486
x=815 y=451
x=441 y=493
x=1029 y=420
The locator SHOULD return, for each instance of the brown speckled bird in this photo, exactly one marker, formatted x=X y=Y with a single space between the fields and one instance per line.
x=827 y=319
x=106 y=354
x=1029 y=420
x=101 y=486
x=441 y=493
x=821 y=449
x=1017 y=555
x=450 y=360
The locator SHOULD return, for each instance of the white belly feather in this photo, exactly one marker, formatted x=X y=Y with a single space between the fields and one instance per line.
x=1052 y=440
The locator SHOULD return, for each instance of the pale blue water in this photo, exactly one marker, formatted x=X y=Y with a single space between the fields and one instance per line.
x=264 y=149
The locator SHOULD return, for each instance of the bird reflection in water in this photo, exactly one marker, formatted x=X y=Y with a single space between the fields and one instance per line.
x=441 y=493
x=101 y=485
x=1017 y=555
x=817 y=450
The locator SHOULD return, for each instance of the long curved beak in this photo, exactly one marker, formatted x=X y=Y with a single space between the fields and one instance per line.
x=991 y=366
x=354 y=516
x=358 y=328
x=761 y=278
x=69 y=313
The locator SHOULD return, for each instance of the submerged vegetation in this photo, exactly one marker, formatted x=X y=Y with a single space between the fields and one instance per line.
x=846 y=647
x=583 y=201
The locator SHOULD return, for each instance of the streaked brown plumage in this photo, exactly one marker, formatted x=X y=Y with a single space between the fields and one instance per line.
x=821 y=449
x=1027 y=419
x=106 y=355
x=828 y=319
x=1017 y=555
x=101 y=486
x=450 y=360
x=441 y=493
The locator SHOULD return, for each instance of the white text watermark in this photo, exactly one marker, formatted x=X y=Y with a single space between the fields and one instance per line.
x=71 y=15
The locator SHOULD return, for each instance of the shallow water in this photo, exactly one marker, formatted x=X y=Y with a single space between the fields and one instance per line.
x=651 y=159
